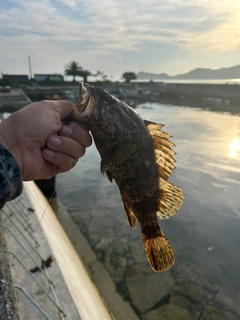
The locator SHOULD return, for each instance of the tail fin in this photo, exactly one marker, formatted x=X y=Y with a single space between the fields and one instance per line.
x=158 y=251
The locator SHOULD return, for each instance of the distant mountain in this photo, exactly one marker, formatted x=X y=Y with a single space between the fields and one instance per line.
x=196 y=74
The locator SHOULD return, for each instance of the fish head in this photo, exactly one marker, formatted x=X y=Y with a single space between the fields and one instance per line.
x=87 y=100
x=108 y=117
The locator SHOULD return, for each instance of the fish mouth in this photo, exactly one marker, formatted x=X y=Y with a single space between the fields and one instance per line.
x=85 y=93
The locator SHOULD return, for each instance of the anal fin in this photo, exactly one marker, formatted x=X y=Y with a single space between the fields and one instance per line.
x=171 y=199
x=109 y=176
x=130 y=215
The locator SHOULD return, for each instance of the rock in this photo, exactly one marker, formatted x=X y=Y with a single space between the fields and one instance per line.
x=124 y=230
x=199 y=272
x=116 y=265
x=146 y=287
x=211 y=313
x=230 y=316
x=101 y=228
x=229 y=296
x=120 y=246
x=192 y=291
x=138 y=251
x=181 y=302
x=98 y=213
x=115 y=260
x=180 y=280
x=170 y=312
x=131 y=272
x=103 y=244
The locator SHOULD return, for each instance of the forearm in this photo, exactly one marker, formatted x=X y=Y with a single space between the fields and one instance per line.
x=10 y=177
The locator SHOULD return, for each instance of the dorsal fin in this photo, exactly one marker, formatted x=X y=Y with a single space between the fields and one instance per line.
x=163 y=152
x=171 y=197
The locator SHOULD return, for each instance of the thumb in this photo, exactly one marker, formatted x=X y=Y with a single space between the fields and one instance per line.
x=63 y=107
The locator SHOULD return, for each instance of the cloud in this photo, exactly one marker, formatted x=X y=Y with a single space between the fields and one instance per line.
x=98 y=28
x=123 y=24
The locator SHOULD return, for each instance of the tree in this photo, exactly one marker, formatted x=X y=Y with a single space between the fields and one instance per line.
x=84 y=74
x=97 y=74
x=73 y=69
x=102 y=75
x=128 y=76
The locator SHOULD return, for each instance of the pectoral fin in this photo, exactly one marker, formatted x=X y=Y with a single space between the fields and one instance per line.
x=116 y=155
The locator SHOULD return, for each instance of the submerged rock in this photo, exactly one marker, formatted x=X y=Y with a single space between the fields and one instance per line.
x=104 y=244
x=199 y=272
x=146 y=287
x=182 y=302
x=116 y=266
x=170 y=312
x=138 y=252
x=211 y=313
x=229 y=295
x=193 y=292
x=101 y=228
x=115 y=259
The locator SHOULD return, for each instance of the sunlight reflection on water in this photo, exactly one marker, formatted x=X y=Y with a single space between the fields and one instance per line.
x=234 y=147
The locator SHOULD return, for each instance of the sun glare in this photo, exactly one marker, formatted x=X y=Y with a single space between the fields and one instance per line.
x=234 y=147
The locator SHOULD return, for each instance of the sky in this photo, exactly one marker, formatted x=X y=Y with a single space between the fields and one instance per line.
x=114 y=36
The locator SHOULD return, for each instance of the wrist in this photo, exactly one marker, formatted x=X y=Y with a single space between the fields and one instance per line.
x=8 y=139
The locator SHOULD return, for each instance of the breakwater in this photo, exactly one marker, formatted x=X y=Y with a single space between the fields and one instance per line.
x=216 y=97
x=192 y=91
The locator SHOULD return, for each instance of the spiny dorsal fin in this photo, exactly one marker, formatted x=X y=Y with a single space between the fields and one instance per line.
x=149 y=123
x=163 y=152
x=171 y=199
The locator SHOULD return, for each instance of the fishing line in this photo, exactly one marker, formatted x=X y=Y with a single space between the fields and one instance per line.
x=35 y=231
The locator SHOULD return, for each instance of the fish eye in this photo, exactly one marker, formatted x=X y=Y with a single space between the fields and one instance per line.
x=108 y=98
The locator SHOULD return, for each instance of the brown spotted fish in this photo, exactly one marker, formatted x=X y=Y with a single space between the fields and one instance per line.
x=137 y=154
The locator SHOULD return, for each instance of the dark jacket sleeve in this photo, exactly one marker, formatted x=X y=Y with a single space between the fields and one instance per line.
x=10 y=177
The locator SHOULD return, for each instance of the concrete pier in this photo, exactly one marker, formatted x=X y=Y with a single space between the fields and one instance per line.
x=29 y=222
x=13 y=99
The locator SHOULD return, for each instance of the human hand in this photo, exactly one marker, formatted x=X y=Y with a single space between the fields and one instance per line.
x=40 y=143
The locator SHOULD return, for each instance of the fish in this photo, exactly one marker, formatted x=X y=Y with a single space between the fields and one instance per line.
x=138 y=156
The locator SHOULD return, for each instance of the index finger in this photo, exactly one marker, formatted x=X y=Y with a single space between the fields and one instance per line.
x=78 y=124
x=63 y=107
x=78 y=133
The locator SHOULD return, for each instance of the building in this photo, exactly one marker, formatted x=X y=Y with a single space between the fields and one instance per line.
x=48 y=77
x=19 y=78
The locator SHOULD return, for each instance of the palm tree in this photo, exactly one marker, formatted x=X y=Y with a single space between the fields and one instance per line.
x=73 y=69
x=84 y=74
